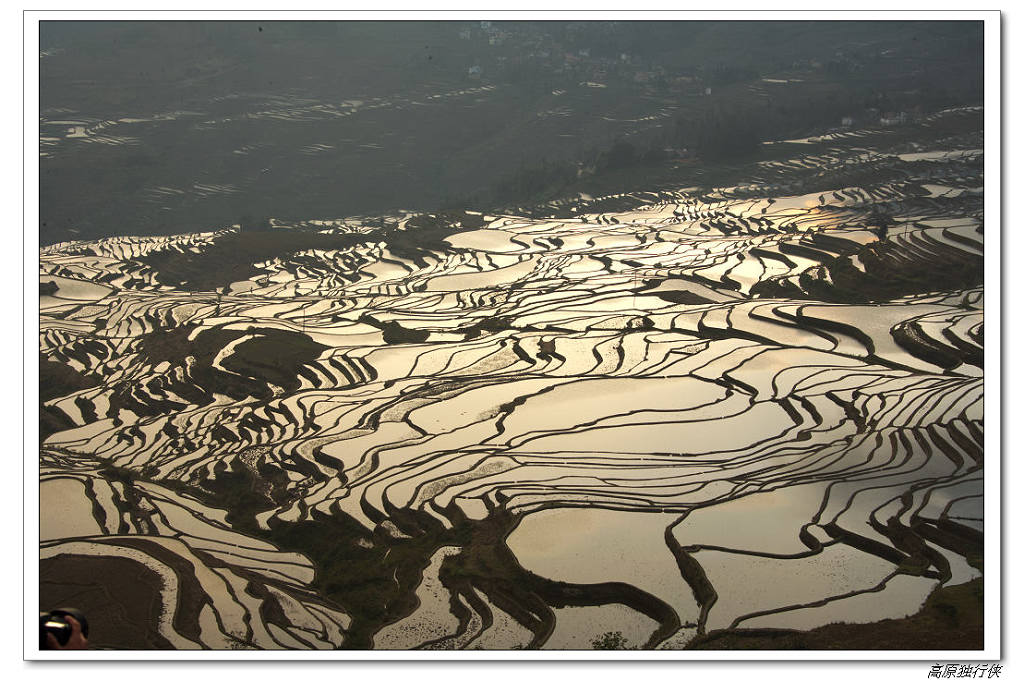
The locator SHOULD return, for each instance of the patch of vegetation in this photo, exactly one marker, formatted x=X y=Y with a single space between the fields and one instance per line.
x=682 y=297
x=611 y=640
x=447 y=218
x=52 y=420
x=395 y=333
x=250 y=224
x=889 y=271
x=57 y=379
x=232 y=257
x=952 y=618
x=725 y=134
x=273 y=356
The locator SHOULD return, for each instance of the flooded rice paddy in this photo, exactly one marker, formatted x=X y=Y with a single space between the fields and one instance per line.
x=756 y=406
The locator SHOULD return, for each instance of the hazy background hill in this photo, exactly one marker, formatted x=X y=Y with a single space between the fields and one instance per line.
x=166 y=127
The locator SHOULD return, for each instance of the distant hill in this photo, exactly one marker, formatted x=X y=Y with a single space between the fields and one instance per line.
x=169 y=127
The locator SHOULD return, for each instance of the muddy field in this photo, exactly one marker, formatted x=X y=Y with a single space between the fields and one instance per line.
x=646 y=420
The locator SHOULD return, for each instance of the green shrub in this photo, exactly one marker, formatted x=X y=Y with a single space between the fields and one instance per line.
x=611 y=640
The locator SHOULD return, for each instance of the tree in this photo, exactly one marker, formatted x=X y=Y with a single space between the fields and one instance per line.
x=726 y=134
x=621 y=155
x=248 y=223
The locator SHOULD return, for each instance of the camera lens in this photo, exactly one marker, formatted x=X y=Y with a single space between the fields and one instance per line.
x=53 y=622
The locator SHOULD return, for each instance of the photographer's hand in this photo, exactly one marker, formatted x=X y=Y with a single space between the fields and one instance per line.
x=75 y=642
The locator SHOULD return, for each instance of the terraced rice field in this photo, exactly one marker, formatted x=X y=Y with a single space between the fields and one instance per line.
x=665 y=414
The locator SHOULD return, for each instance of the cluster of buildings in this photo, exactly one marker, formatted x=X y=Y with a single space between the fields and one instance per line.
x=585 y=57
x=563 y=57
x=886 y=119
